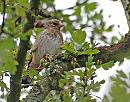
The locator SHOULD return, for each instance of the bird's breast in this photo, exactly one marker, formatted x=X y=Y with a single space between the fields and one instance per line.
x=49 y=45
x=45 y=44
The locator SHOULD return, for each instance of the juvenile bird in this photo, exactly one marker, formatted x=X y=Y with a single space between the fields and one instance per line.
x=48 y=42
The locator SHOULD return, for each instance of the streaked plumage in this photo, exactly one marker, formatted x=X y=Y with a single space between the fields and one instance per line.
x=48 y=42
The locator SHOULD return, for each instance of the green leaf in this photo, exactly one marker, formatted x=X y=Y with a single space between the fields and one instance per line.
x=25 y=35
x=77 y=47
x=102 y=82
x=10 y=65
x=109 y=29
x=49 y=2
x=67 y=97
x=7 y=59
x=68 y=46
x=90 y=7
x=90 y=71
x=20 y=11
x=78 y=73
x=97 y=15
x=24 y=3
x=108 y=65
x=6 y=44
x=119 y=88
x=32 y=73
x=25 y=72
x=89 y=52
x=114 y=40
x=89 y=62
x=78 y=10
x=119 y=94
x=62 y=82
x=3 y=85
x=121 y=74
x=68 y=26
x=92 y=51
x=79 y=36
x=86 y=45
x=96 y=86
x=80 y=98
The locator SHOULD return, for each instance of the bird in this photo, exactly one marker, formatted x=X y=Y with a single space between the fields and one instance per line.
x=47 y=43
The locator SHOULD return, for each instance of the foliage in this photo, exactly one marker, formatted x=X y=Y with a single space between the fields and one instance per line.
x=76 y=85
x=119 y=88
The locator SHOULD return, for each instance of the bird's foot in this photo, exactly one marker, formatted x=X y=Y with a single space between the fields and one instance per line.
x=39 y=68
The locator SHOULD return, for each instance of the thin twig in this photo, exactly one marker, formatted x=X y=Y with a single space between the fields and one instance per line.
x=3 y=19
x=77 y=4
x=27 y=85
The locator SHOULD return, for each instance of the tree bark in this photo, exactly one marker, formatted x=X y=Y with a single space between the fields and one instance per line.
x=15 y=80
x=126 y=6
x=116 y=52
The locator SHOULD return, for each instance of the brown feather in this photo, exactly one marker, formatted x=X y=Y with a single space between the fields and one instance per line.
x=47 y=43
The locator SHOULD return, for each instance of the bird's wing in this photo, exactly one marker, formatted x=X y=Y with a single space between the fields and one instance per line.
x=36 y=43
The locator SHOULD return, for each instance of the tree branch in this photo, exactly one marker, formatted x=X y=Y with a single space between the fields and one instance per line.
x=77 y=4
x=15 y=80
x=116 y=52
x=126 y=6
x=3 y=19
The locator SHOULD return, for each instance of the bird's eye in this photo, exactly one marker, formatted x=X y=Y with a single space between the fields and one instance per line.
x=55 y=23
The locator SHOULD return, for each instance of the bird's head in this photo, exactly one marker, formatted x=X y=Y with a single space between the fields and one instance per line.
x=54 y=23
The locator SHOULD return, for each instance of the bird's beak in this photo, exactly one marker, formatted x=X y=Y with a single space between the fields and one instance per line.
x=39 y=24
x=61 y=24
